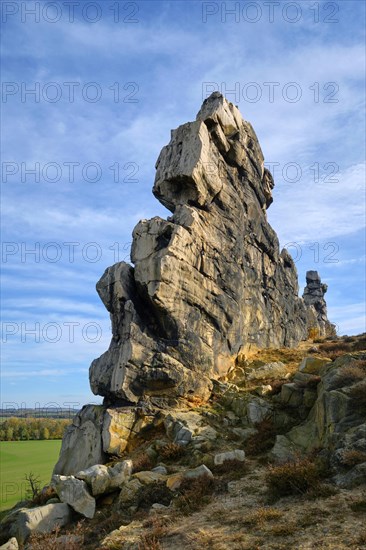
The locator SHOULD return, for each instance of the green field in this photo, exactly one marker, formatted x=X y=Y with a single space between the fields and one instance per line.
x=18 y=458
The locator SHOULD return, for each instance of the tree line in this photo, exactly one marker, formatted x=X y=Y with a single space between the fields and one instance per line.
x=22 y=429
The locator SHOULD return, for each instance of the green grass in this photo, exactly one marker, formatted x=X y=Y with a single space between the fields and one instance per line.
x=18 y=458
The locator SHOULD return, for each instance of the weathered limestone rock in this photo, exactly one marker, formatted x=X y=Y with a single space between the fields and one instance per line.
x=129 y=493
x=148 y=477
x=103 y=479
x=98 y=431
x=74 y=492
x=267 y=371
x=12 y=544
x=42 y=519
x=82 y=442
x=312 y=365
x=237 y=454
x=117 y=427
x=316 y=306
x=208 y=283
x=334 y=422
x=353 y=478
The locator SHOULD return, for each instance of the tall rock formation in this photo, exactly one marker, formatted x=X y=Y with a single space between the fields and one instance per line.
x=210 y=281
x=316 y=306
x=206 y=285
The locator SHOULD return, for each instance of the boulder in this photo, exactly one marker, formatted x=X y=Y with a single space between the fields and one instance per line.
x=236 y=454
x=12 y=544
x=85 y=435
x=333 y=422
x=75 y=493
x=292 y=395
x=129 y=493
x=267 y=371
x=42 y=519
x=149 y=477
x=355 y=477
x=104 y=479
x=313 y=365
x=257 y=410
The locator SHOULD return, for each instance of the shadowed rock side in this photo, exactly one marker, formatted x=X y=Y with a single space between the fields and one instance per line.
x=208 y=283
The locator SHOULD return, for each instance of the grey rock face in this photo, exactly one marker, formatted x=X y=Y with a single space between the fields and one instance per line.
x=82 y=442
x=208 y=283
x=42 y=519
x=316 y=306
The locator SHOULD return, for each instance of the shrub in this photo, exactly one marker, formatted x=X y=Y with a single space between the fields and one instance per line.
x=70 y=541
x=172 y=451
x=34 y=486
x=295 y=477
x=151 y=540
x=154 y=492
x=194 y=494
x=263 y=440
x=359 y=506
x=142 y=463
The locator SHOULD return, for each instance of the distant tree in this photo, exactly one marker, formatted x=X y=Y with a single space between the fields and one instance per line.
x=45 y=433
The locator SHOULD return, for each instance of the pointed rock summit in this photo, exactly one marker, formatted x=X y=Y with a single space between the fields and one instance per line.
x=207 y=285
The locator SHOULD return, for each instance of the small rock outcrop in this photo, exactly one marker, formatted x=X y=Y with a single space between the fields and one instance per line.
x=316 y=306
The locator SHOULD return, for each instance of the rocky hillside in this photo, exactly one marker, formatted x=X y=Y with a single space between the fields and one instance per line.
x=275 y=459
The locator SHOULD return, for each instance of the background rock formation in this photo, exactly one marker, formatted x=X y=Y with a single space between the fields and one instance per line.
x=316 y=306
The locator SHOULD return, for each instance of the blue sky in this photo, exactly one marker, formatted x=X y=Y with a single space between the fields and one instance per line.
x=106 y=95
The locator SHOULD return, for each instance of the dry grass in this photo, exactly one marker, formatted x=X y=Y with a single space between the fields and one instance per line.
x=261 y=516
x=361 y=537
x=70 y=541
x=313 y=333
x=157 y=530
x=283 y=529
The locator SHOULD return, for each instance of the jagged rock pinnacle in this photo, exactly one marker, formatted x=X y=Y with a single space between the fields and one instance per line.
x=208 y=283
